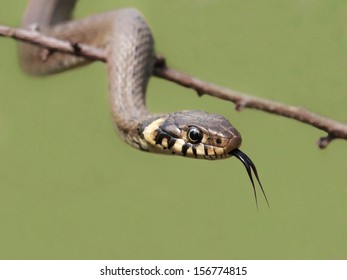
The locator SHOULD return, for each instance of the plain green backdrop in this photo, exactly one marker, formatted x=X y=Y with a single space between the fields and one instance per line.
x=71 y=189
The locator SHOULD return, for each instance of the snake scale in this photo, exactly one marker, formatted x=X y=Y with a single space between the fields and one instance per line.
x=129 y=46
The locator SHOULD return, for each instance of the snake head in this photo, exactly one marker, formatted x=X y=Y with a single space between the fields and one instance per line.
x=194 y=134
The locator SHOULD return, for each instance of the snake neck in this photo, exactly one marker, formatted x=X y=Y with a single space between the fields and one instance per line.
x=130 y=63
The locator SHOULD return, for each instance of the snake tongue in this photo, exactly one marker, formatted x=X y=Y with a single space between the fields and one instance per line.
x=249 y=165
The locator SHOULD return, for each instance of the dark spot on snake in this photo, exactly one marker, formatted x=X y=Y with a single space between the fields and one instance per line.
x=184 y=149
x=172 y=142
x=194 y=151
x=218 y=141
x=160 y=136
x=205 y=150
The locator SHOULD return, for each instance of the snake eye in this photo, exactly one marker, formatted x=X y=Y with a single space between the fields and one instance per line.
x=194 y=135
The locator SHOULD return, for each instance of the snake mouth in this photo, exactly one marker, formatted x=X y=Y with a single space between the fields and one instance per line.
x=250 y=166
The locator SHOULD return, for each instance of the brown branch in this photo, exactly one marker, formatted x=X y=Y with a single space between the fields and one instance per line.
x=334 y=129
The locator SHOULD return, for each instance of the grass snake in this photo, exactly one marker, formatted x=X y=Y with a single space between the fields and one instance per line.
x=129 y=45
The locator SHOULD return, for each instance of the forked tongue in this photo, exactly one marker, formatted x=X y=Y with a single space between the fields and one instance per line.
x=247 y=162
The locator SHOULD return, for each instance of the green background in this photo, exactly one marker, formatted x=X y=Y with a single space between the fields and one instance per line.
x=71 y=189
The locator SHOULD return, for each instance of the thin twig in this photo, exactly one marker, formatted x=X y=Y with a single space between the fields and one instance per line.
x=334 y=129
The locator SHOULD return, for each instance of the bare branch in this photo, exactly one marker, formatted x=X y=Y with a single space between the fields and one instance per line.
x=334 y=129
x=52 y=44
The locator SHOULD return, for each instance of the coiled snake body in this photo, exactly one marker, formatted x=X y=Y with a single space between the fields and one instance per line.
x=128 y=42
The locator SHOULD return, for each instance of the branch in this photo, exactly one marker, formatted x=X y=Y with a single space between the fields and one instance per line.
x=334 y=129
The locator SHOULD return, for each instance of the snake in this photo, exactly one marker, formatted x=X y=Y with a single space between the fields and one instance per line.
x=129 y=46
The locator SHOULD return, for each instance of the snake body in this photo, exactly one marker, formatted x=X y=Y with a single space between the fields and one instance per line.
x=129 y=45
